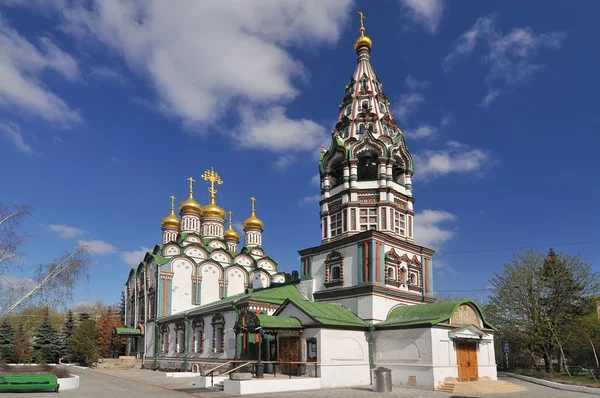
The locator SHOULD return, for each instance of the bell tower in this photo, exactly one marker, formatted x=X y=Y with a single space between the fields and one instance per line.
x=366 y=206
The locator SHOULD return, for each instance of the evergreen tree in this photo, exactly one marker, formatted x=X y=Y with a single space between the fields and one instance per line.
x=67 y=332
x=122 y=308
x=84 y=316
x=22 y=349
x=7 y=339
x=84 y=343
x=46 y=343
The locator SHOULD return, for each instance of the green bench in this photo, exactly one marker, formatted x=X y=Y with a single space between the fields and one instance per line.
x=29 y=383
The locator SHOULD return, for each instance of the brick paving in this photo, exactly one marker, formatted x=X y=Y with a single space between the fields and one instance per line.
x=149 y=384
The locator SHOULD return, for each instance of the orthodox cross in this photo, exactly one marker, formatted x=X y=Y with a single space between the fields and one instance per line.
x=172 y=202
x=253 y=199
x=213 y=177
x=362 y=18
x=230 y=217
x=192 y=181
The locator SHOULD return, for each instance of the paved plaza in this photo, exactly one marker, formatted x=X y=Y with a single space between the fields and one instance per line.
x=149 y=384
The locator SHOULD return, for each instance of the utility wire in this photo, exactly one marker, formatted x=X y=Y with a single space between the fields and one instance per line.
x=517 y=248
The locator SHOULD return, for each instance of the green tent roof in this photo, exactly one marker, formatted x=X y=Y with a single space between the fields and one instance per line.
x=278 y=322
x=128 y=332
x=427 y=314
x=329 y=314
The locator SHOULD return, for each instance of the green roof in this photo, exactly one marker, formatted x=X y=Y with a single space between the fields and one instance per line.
x=278 y=322
x=128 y=332
x=427 y=314
x=329 y=314
x=272 y=295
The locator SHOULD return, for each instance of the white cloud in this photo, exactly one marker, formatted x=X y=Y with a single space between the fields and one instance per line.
x=455 y=158
x=133 y=258
x=407 y=104
x=510 y=56
x=12 y=132
x=423 y=131
x=21 y=67
x=413 y=84
x=310 y=199
x=433 y=228
x=97 y=246
x=316 y=180
x=425 y=12
x=284 y=161
x=446 y=120
x=105 y=73
x=65 y=231
x=208 y=60
x=238 y=227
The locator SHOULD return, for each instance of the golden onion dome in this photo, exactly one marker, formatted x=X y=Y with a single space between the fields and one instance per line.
x=362 y=41
x=170 y=221
x=190 y=206
x=253 y=222
x=212 y=210
x=230 y=234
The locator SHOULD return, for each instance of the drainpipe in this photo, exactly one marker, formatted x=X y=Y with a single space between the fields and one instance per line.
x=238 y=336
x=187 y=341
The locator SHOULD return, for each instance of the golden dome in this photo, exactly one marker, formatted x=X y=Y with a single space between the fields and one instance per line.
x=190 y=206
x=362 y=41
x=230 y=234
x=253 y=222
x=212 y=210
x=171 y=221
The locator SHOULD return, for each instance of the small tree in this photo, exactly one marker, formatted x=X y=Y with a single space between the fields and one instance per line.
x=84 y=343
x=67 y=332
x=106 y=341
x=22 y=349
x=7 y=339
x=46 y=343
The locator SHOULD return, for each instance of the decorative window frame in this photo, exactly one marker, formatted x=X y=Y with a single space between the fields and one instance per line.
x=335 y=259
x=198 y=326
x=151 y=304
x=335 y=224
x=218 y=321
x=368 y=218
x=180 y=342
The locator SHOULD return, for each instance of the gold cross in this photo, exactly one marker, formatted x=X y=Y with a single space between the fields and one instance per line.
x=230 y=217
x=362 y=17
x=192 y=181
x=213 y=177
x=172 y=202
x=253 y=199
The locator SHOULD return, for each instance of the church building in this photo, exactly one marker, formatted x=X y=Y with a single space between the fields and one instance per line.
x=361 y=299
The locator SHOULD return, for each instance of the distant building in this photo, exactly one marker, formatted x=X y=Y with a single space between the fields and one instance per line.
x=363 y=297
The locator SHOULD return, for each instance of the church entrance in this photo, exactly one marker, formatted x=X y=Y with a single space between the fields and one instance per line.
x=466 y=352
x=289 y=351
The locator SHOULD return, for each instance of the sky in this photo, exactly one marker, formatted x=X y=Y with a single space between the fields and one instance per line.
x=107 y=107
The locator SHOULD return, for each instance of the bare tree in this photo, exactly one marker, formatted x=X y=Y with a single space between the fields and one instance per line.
x=11 y=237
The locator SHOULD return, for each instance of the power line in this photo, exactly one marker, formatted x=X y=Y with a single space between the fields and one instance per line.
x=517 y=248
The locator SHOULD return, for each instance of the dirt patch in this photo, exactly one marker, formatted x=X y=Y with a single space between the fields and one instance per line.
x=60 y=371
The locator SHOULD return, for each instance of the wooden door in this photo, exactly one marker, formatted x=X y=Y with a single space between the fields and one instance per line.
x=289 y=351
x=466 y=353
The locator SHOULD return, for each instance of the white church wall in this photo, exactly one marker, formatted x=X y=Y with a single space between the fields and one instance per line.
x=408 y=353
x=291 y=311
x=259 y=280
x=344 y=358
x=444 y=356
x=486 y=358
x=350 y=255
x=383 y=305
x=209 y=291
x=236 y=281
x=181 y=293
x=149 y=333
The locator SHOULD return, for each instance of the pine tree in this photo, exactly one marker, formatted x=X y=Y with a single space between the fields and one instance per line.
x=84 y=343
x=7 y=339
x=22 y=349
x=84 y=316
x=67 y=332
x=46 y=345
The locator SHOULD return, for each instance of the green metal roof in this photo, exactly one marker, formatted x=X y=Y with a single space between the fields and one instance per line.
x=278 y=322
x=128 y=332
x=427 y=314
x=329 y=314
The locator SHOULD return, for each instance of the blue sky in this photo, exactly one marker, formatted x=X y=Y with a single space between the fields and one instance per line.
x=106 y=107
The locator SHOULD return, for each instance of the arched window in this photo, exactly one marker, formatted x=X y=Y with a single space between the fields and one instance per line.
x=413 y=279
x=179 y=337
x=367 y=168
x=390 y=273
x=334 y=269
x=198 y=344
x=164 y=339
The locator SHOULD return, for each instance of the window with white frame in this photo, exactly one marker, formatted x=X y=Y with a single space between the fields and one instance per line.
x=368 y=219
x=399 y=223
x=335 y=224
